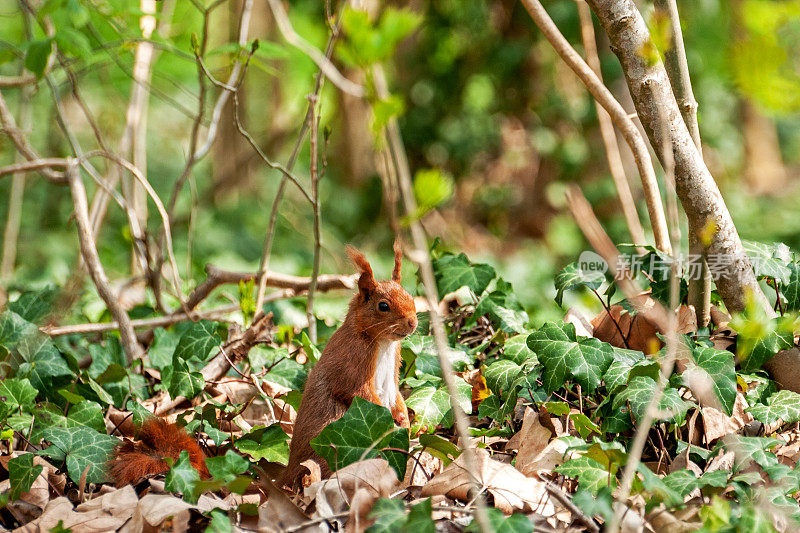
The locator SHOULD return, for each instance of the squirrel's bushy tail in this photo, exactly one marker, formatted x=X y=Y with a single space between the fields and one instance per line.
x=158 y=439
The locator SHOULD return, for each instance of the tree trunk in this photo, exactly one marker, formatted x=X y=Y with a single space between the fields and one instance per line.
x=661 y=117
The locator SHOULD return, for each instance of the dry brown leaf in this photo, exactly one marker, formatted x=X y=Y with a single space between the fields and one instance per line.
x=532 y=438
x=106 y=513
x=427 y=462
x=357 y=520
x=717 y=424
x=511 y=490
x=371 y=479
x=639 y=332
x=154 y=509
x=687 y=319
x=279 y=512
x=480 y=391
x=554 y=454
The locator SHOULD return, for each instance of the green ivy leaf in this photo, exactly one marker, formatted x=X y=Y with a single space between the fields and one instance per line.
x=162 y=348
x=455 y=271
x=80 y=447
x=17 y=394
x=198 y=341
x=180 y=380
x=719 y=368
x=571 y=277
x=769 y=260
x=516 y=349
x=749 y=449
x=183 y=477
x=591 y=475
x=621 y=368
x=389 y=516
x=270 y=443
x=227 y=467
x=363 y=432
x=12 y=328
x=685 y=481
x=656 y=486
x=792 y=289
x=502 y=307
x=87 y=414
x=516 y=523
x=501 y=375
x=783 y=405
x=43 y=363
x=22 y=473
x=430 y=405
x=564 y=355
x=638 y=394
x=419 y=518
x=34 y=305
x=284 y=369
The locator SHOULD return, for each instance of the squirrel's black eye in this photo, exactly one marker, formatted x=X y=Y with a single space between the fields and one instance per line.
x=383 y=306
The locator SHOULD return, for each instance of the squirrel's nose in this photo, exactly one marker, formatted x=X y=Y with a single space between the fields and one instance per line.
x=412 y=323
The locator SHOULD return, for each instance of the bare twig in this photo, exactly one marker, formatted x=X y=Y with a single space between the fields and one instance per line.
x=422 y=258
x=15 y=196
x=273 y=216
x=9 y=127
x=678 y=71
x=607 y=131
x=323 y=61
x=566 y=501
x=89 y=253
x=315 y=176
x=665 y=320
x=165 y=221
x=162 y=321
x=34 y=165
x=618 y=114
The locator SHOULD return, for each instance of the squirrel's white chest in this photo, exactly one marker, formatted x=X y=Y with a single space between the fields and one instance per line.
x=384 y=374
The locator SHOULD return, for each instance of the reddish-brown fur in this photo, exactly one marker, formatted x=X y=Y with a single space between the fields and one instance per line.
x=346 y=367
x=157 y=439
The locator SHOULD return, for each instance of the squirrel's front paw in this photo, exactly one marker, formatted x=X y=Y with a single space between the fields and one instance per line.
x=401 y=419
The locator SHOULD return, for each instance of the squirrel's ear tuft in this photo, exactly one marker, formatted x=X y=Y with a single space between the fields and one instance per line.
x=398 y=260
x=366 y=282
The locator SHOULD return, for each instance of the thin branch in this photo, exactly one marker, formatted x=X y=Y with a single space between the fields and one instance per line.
x=244 y=25
x=159 y=206
x=566 y=501
x=9 y=127
x=607 y=131
x=422 y=258
x=161 y=321
x=17 y=192
x=315 y=177
x=323 y=61
x=297 y=284
x=92 y=260
x=618 y=114
x=273 y=215
x=678 y=71
x=34 y=165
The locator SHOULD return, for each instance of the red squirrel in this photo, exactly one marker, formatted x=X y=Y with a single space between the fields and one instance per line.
x=362 y=358
x=158 y=439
